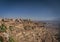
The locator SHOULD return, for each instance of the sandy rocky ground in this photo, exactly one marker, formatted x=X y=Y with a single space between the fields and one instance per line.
x=26 y=30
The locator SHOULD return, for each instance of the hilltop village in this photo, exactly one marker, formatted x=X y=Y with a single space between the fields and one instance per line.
x=24 y=30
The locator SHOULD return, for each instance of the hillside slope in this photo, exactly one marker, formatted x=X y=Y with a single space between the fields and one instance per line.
x=26 y=30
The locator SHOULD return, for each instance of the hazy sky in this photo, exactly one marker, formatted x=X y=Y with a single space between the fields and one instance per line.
x=37 y=10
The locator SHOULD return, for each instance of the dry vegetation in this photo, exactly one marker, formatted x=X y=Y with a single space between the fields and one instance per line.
x=24 y=30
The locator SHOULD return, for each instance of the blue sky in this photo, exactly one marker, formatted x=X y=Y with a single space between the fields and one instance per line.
x=36 y=10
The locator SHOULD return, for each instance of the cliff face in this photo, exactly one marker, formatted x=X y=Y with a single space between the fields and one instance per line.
x=28 y=31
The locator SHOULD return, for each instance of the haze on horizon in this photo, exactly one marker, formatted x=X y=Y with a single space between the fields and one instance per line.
x=36 y=10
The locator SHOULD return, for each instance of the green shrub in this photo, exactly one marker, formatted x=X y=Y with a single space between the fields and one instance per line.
x=3 y=20
x=11 y=28
x=1 y=39
x=3 y=28
x=27 y=28
x=11 y=39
